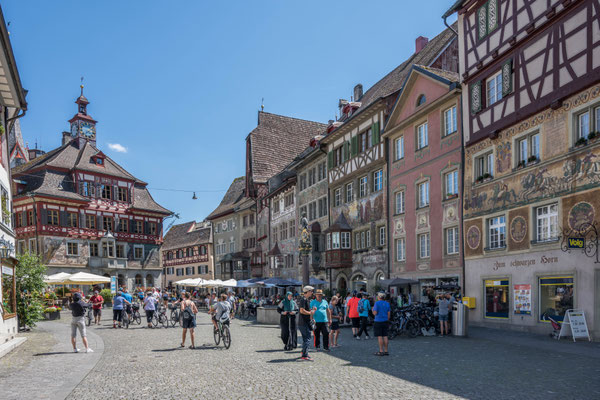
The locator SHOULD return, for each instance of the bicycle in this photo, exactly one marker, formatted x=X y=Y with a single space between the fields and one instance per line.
x=176 y=315
x=160 y=316
x=135 y=314
x=249 y=311
x=222 y=332
x=125 y=318
x=89 y=316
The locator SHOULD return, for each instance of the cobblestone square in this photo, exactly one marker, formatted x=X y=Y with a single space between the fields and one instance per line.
x=140 y=363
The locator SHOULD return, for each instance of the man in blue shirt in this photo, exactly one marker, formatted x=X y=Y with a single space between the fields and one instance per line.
x=127 y=296
x=381 y=310
x=118 y=305
x=322 y=317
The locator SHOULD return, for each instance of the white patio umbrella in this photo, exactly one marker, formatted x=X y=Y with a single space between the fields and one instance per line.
x=184 y=282
x=230 y=283
x=213 y=283
x=56 y=279
x=84 y=278
x=191 y=282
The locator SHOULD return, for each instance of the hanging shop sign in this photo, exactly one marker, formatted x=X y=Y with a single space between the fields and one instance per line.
x=575 y=320
x=576 y=243
x=522 y=297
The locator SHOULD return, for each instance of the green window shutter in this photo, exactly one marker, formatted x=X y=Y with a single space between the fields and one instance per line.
x=354 y=145
x=476 y=97
x=346 y=151
x=482 y=21
x=330 y=160
x=507 y=78
x=375 y=129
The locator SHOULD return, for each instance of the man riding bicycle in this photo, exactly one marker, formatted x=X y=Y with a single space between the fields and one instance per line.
x=223 y=307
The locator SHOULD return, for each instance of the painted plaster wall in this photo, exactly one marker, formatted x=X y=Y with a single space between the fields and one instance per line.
x=289 y=245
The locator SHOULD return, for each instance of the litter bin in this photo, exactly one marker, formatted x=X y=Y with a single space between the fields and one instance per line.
x=460 y=314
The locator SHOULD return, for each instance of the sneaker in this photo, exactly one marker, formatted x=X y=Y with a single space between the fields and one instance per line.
x=326 y=350
x=307 y=358
x=357 y=337
x=88 y=350
x=367 y=337
x=76 y=350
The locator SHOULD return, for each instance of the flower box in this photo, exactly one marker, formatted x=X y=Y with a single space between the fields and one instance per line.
x=51 y=316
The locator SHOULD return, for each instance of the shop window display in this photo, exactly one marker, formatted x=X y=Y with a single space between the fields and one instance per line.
x=496 y=298
x=9 y=307
x=556 y=296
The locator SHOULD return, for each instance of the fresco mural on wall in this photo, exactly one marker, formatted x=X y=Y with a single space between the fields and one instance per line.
x=363 y=211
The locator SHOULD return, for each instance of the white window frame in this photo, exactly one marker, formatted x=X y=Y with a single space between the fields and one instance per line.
x=382 y=234
x=135 y=246
x=345 y=240
x=399 y=202
x=422 y=136
x=493 y=88
x=451 y=183
x=497 y=232
x=546 y=221
x=337 y=198
x=484 y=164
x=349 y=193
x=424 y=241
x=399 y=148
x=368 y=238
x=583 y=128
x=32 y=246
x=378 y=180
x=450 y=122
x=401 y=249
x=69 y=252
x=363 y=186
x=423 y=194
x=335 y=240
x=452 y=240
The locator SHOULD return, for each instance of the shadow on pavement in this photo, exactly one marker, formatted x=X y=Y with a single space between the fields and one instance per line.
x=283 y=360
x=54 y=353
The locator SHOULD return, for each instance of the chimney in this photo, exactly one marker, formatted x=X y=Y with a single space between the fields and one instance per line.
x=358 y=92
x=420 y=43
x=66 y=137
x=341 y=105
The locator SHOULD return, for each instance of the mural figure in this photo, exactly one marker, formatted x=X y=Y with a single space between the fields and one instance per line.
x=502 y=194
x=503 y=157
x=477 y=200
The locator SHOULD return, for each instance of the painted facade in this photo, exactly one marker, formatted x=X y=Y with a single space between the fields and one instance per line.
x=530 y=117
x=425 y=151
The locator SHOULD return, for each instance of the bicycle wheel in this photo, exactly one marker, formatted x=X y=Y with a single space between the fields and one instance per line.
x=226 y=336
x=138 y=318
x=155 y=320
x=217 y=336
x=245 y=313
x=125 y=320
x=164 y=320
x=174 y=317
x=412 y=328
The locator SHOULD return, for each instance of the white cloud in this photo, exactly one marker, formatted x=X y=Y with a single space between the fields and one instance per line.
x=117 y=147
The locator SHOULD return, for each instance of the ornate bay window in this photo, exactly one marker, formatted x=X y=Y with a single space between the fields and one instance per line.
x=339 y=244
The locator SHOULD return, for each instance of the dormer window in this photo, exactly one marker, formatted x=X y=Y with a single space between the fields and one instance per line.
x=99 y=161
x=421 y=100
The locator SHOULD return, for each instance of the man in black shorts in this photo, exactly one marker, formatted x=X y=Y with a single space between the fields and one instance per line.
x=189 y=311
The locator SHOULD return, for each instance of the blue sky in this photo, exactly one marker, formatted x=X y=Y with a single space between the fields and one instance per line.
x=177 y=84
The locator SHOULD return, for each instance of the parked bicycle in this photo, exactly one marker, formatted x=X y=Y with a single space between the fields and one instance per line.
x=89 y=315
x=160 y=317
x=135 y=314
x=125 y=318
x=176 y=316
x=249 y=310
x=222 y=332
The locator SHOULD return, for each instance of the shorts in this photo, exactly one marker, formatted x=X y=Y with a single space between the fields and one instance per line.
x=149 y=315
x=335 y=325
x=380 y=328
x=355 y=322
x=78 y=323
x=189 y=323
x=443 y=317
x=117 y=315
x=97 y=312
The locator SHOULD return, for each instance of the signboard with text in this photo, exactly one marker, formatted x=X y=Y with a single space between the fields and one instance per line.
x=522 y=297
x=576 y=243
x=575 y=320
x=113 y=284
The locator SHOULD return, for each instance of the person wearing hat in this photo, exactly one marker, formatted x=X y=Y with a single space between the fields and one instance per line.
x=288 y=310
x=304 y=321
x=78 y=322
x=322 y=317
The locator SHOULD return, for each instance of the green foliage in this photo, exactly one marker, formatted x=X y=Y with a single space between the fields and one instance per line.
x=30 y=284
x=106 y=295
x=62 y=291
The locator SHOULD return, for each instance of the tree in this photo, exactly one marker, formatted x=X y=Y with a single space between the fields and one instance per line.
x=30 y=283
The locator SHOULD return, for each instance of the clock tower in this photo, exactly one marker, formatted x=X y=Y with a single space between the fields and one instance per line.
x=82 y=125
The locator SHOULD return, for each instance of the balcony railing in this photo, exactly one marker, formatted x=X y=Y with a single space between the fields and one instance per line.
x=106 y=262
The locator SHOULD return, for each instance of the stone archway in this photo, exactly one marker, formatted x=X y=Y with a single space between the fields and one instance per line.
x=379 y=276
x=139 y=281
x=358 y=281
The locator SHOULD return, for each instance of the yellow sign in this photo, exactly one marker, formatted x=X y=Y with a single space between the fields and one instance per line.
x=576 y=243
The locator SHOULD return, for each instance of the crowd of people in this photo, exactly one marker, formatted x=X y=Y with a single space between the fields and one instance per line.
x=317 y=319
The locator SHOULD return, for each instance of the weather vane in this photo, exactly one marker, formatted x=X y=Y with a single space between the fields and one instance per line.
x=81 y=86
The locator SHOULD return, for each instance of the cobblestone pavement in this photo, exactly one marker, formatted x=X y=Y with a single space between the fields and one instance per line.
x=148 y=363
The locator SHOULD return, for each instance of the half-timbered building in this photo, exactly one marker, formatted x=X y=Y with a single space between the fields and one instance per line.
x=187 y=253
x=82 y=211
x=270 y=147
x=531 y=116
x=424 y=189
x=357 y=171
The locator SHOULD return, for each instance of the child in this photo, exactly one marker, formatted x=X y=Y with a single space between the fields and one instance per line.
x=336 y=318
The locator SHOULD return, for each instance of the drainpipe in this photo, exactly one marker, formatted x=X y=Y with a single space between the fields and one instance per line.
x=387 y=208
x=462 y=194
x=444 y=17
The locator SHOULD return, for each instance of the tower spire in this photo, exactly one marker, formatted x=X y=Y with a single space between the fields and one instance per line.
x=81 y=86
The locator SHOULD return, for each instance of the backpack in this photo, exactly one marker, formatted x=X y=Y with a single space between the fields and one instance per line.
x=187 y=312
x=362 y=306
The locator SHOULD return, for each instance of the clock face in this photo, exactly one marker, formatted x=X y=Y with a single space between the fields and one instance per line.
x=74 y=128
x=88 y=129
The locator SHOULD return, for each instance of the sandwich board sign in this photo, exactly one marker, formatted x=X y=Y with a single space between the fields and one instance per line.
x=575 y=320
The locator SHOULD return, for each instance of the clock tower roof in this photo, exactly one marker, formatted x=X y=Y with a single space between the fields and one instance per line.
x=83 y=126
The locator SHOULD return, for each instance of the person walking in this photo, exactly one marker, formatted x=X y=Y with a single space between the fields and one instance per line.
x=443 y=309
x=364 y=306
x=336 y=316
x=97 y=302
x=288 y=310
x=346 y=317
x=322 y=317
x=304 y=323
x=78 y=323
x=352 y=313
x=149 y=307
x=119 y=303
x=381 y=310
x=188 y=311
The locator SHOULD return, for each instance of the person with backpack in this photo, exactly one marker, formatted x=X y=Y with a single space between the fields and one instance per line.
x=189 y=311
x=352 y=313
x=363 y=312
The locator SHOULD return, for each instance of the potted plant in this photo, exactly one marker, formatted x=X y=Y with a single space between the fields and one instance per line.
x=593 y=135
x=52 y=313
x=532 y=160
x=107 y=296
x=451 y=195
x=521 y=164
x=479 y=179
x=581 y=142
x=487 y=176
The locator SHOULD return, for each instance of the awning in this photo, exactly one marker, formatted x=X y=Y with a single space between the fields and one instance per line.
x=397 y=282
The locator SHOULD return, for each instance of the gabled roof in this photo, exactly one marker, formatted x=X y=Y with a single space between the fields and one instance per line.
x=233 y=198
x=275 y=142
x=51 y=183
x=185 y=235
x=142 y=200
x=340 y=224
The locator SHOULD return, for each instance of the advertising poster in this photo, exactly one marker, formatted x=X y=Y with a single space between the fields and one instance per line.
x=113 y=284
x=522 y=294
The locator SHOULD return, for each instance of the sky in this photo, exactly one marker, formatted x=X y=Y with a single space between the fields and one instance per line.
x=176 y=85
